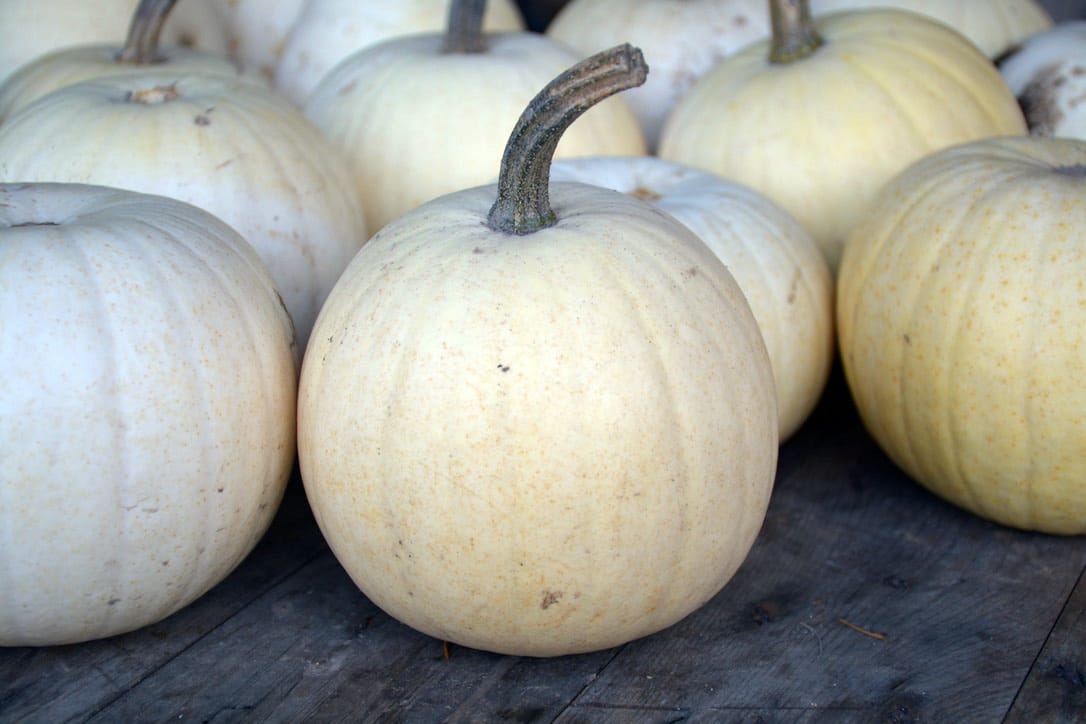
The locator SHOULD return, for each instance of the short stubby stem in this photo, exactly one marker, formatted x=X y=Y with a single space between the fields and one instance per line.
x=793 y=31
x=141 y=45
x=523 y=203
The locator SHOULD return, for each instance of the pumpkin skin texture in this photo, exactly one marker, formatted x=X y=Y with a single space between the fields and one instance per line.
x=146 y=410
x=820 y=134
x=681 y=40
x=31 y=29
x=227 y=145
x=539 y=445
x=329 y=31
x=994 y=26
x=775 y=261
x=258 y=32
x=960 y=305
x=418 y=122
x=1048 y=76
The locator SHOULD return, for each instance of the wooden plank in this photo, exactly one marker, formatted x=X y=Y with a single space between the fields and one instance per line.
x=55 y=684
x=1055 y=690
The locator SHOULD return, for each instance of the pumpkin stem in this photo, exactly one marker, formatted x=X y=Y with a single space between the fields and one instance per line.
x=794 y=35
x=141 y=45
x=523 y=204
x=465 y=30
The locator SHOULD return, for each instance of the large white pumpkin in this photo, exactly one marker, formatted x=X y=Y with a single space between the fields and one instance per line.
x=538 y=428
x=962 y=326
x=326 y=32
x=224 y=144
x=824 y=113
x=418 y=121
x=146 y=408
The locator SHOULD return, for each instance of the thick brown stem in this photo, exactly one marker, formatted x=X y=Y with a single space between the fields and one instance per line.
x=465 y=30
x=794 y=34
x=523 y=204
x=141 y=45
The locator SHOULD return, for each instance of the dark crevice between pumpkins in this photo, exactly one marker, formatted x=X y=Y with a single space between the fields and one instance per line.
x=523 y=203
x=1078 y=170
x=793 y=31
x=144 y=31
x=464 y=33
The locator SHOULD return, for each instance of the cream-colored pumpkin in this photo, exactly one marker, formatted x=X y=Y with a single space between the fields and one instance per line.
x=538 y=438
x=1048 y=76
x=681 y=40
x=821 y=128
x=329 y=31
x=141 y=49
x=962 y=331
x=995 y=26
x=777 y=264
x=146 y=408
x=31 y=28
x=226 y=145
x=418 y=122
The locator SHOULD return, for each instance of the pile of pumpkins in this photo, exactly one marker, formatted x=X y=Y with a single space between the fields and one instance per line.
x=532 y=312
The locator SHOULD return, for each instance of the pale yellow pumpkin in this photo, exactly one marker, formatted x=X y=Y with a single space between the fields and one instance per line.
x=538 y=427
x=818 y=118
x=994 y=26
x=777 y=264
x=227 y=145
x=960 y=315
x=418 y=120
x=326 y=32
x=681 y=40
x=146 y=408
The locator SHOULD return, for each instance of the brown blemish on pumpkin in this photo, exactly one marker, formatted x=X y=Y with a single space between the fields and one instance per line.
x=202 y=120
x=550 y=598
x=645 y=194
x=503 y=368
x=906 y=338
x=690 y=273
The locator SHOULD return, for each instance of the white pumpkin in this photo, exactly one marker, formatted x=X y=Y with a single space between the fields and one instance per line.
x=227 y=145
x=821 y=115
x=994 y=26
x=418 y=121
x=538 y=427
x=31 y=28
x=681 y=39
x=141 y=49
x=962 y=327
x=1048 y=76
x=329 y=31
x=146 y=408
x=777 y=264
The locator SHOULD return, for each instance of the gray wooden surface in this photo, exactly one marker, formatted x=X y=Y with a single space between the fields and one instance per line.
x=864 y=599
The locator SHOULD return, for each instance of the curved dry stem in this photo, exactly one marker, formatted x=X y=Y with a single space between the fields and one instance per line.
x=523 y=205
x=141 y=45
